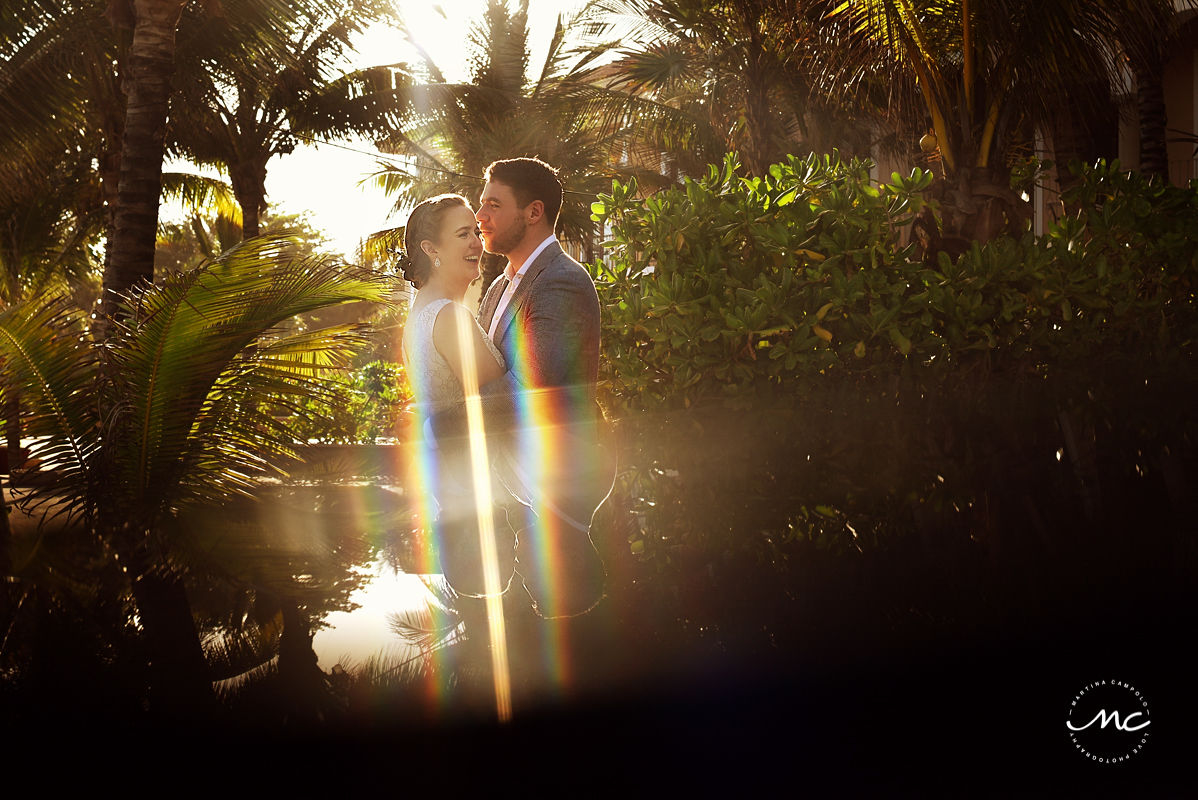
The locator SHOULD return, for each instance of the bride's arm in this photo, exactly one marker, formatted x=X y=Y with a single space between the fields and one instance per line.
x=458 y=338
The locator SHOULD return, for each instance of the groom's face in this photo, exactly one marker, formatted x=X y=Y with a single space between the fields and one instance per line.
x=501 y=221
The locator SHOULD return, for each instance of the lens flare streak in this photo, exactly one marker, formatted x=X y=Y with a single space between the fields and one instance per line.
x=540 y=454
x=480 y=467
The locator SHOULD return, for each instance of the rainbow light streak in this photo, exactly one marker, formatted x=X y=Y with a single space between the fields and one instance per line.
x=425 y=468
x=480 y=466
x=539 y=455
x=423 y=479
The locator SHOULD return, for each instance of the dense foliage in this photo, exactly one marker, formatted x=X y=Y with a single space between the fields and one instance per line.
x=733 y=288
x=367 y=405
x=792 y=381
x=810 y=410
x=174 y=416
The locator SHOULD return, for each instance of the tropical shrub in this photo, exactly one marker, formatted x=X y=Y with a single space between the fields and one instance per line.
x=732 y=288
x=366 y=405
x=793 y=383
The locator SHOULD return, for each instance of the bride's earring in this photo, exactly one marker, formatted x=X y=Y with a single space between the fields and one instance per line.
x=437 y=262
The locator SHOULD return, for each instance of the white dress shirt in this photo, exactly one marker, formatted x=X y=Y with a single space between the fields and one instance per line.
x=513 y=280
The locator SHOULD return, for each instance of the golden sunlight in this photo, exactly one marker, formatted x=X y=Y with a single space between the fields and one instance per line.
x=481 y=468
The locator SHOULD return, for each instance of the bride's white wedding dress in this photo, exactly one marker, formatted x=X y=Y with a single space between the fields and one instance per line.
x=447 y=465
x=433 y=381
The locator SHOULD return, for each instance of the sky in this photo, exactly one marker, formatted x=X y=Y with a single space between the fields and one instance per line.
x=326 y=180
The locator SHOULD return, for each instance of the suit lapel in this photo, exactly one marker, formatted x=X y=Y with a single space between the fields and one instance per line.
x=490 y=300
x=522 y=290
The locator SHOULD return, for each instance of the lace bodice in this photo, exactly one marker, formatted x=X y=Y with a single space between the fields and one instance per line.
x=431 y=377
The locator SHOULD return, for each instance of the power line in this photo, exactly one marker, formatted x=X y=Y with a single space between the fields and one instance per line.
x=380 y=156
x=394 y=160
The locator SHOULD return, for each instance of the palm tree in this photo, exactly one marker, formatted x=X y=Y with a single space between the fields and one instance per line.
x=724 y=75
x=149 y=68
x=57 y=81
x=61 y=99
x=1145 y=31
x=170 y=414
x=147 y=73
x=983 y=75
x=452 y=131
x=60 y=75
x=243 y=111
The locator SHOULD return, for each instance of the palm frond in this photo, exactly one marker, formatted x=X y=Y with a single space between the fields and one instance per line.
x=380 y=245
x=632 y=21
x=231 y=653
x=47 y=357
x=555 y=57
x=34 y=87
x=183 y=335
x=200 y=192
x=434 y=626
x=367 y=102
x=428 y=628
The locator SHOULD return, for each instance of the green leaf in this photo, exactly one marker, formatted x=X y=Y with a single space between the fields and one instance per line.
x=900 y=341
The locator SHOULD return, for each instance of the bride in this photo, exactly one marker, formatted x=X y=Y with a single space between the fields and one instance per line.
x=444 y=350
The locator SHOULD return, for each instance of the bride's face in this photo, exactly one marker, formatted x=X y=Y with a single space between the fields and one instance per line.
x=458 y=245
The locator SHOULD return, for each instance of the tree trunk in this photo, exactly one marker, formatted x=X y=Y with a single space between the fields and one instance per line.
x=976 y=205
x=249 y=215
x=1150 y=93
x=147 y=89
x=250 y=203
x=179 y=681
x=759 y=123
x=249 y=186
x=180 y=684
x=12 y=428
x=299 y=671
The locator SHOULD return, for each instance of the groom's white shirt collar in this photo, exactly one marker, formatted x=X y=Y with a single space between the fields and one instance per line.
x=513 y=276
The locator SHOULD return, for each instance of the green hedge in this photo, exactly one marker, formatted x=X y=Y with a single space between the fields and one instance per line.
x=793 y=383
x=735 y=288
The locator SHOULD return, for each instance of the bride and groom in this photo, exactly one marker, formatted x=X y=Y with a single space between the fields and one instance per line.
x=533 y=354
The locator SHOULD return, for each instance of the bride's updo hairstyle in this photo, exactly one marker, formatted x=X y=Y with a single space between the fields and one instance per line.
x=425 y=223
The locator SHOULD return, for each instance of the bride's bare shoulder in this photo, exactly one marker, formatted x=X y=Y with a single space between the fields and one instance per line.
x=450 y=316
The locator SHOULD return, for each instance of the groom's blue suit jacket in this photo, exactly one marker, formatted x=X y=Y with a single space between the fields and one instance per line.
x=549 y=337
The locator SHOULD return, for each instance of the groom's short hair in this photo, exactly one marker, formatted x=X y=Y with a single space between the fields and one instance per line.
x=530 y=179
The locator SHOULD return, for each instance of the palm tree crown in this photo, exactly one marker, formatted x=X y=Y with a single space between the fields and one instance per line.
x=247 y=107
x=452 y=131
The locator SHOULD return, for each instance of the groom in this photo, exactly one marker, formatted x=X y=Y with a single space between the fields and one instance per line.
x=543 y=314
